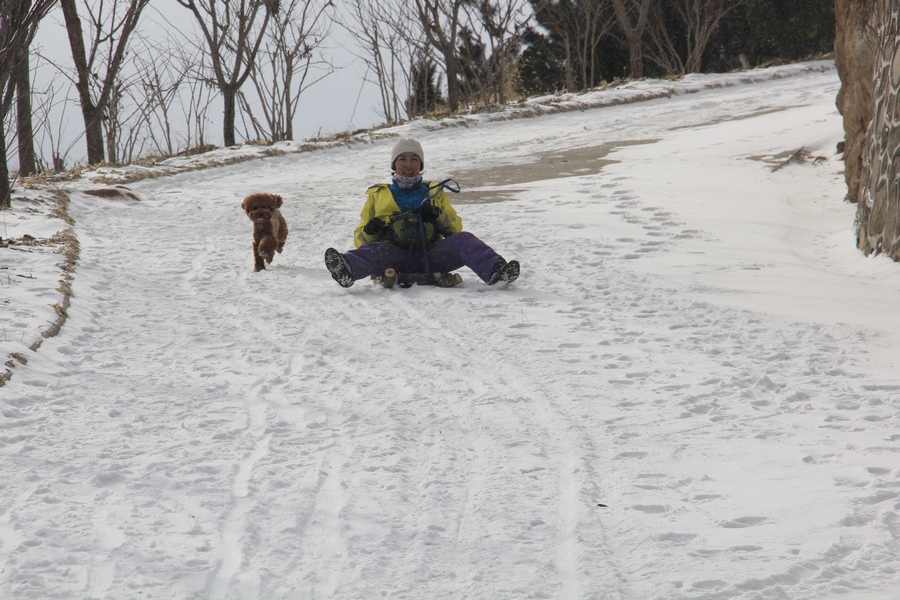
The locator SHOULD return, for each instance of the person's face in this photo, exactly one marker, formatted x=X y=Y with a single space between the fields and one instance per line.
x=408 y=164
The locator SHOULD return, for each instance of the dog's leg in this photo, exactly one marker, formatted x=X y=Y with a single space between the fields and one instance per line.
x=281 y=232
x=266 y=249
x=258 y=264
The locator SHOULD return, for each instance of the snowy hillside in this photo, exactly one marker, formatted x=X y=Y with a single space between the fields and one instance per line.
x=694 y=342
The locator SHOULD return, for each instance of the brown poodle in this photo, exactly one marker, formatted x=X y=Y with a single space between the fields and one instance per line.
x=269 y=227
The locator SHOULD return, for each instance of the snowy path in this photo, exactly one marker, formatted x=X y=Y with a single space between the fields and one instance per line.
x=202 y=431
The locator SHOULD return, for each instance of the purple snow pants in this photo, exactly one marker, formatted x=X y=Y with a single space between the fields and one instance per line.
x=460 y=250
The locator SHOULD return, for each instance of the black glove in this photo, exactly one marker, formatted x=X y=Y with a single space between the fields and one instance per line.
x=375 y=226
x=430 y=212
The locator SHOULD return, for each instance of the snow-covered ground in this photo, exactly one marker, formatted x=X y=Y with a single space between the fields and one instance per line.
x=694 y=342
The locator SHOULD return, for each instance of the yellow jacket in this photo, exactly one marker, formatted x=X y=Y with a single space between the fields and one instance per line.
x=380 y=203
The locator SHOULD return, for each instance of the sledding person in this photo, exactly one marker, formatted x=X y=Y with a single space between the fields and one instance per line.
x=410 y=226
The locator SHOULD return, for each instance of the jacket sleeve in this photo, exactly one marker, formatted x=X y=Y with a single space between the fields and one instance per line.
x=448 y=220
x=379 y=203
x=360 y=237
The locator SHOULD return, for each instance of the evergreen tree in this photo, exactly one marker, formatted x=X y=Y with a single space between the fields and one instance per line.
x=575 y=46
x=474 y=69
x=541 y=65
x=425 y=93
x=728 y=49
x=789 y=29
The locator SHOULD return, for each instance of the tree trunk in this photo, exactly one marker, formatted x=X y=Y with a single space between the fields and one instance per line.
x=443 y=36
x=93 y=111
x=4 y=171
x=229 y=99
x=452 y=84
x=635 y=57
x=93 y=130
x=570 y=68
x=27 y=160
x=633 y=31
x=19 y=21
x=878 y=209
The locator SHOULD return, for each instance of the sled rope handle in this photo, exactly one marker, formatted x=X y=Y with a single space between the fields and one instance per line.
x=450 y=185
x=444 y=185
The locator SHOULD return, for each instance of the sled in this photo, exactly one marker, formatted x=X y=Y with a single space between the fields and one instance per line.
x=391 y=277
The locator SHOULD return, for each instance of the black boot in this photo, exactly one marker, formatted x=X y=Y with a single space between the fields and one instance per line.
x=504 y=271
x=338 y=267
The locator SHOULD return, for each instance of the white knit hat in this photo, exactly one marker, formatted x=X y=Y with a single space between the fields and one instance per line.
x=407 y=145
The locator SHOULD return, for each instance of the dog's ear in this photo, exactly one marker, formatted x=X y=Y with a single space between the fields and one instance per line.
x=246 y=203
x=278 y=200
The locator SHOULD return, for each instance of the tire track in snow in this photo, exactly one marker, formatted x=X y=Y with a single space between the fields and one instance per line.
x=301 y=417
x=233 y=527
x=566 y=470
x=449 y=354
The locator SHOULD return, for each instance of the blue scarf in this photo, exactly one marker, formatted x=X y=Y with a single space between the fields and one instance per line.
x=411 y=196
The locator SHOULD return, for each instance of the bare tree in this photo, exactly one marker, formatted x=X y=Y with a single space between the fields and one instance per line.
x=632 y=16
x=49 y=133
x=129 y=130
x=389 y=45
x=161 y=71
x=442 y=22
x=233 y=31
x=114 y=122
x=201 y=93
x=99 y=62
x=579 y=26
x=128 y=121
x=559 y=18
x=19 y=20
x=503 y=22
x=700 y=19
x=281 y=74
x=173 y=96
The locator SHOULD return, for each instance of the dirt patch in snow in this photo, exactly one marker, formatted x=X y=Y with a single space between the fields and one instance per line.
x=497 y=184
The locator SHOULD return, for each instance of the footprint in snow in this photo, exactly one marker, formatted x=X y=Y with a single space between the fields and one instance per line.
x=742 y=522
